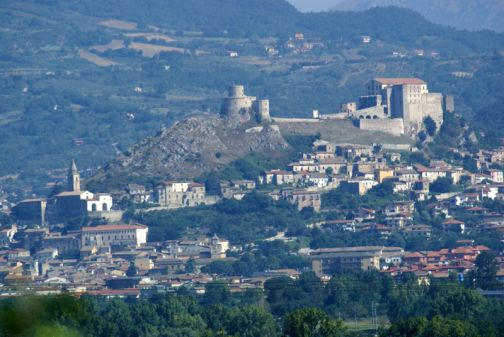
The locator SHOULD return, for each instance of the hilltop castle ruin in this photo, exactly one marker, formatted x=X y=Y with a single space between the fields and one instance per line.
x=239 y=107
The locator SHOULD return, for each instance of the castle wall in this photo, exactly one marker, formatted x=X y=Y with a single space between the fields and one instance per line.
x=449 y=103
x=396 y=100
x=369 y=101
x=413 y=105
x=262 y=109
x=295 y=120
x=391 y=126
x=375 y=112
x=433 y=107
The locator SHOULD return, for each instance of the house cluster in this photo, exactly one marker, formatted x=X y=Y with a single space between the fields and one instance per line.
x=425 y=265
x=359 y=168
x=100 y=260
x=300 y=44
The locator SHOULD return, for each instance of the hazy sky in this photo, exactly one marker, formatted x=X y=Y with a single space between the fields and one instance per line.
x=314 y=5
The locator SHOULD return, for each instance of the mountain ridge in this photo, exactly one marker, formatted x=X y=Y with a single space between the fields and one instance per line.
x=461 y=14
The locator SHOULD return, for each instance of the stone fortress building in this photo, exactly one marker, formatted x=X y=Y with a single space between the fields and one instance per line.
x=172 y=194
x=239 y=107
x=396 y=105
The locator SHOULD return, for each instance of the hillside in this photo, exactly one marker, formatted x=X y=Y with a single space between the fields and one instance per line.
x=88 y=80
x=188 y=149
x=462 y=14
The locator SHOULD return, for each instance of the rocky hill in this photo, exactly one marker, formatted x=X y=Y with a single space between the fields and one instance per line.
x=190 y=148
x=462 y=14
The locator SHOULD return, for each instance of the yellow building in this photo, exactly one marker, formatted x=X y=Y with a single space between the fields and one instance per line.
x=382 y=174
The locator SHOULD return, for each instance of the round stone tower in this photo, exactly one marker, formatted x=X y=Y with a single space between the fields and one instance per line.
x=262 y=110
x=236 y=91
x=237 y=106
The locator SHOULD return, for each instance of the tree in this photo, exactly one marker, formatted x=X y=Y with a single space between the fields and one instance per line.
x=132 y=270
x=252 y=322
x=385 y=189
x=329 y=171
x=437 y=327
x=430 y=126
x=312 y=322
x=216 y=292
x=470 y=164
x=190 y=266
x=486 y=271
x=442 y=185
x=422 y=136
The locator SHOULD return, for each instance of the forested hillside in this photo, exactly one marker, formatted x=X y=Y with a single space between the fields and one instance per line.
x=88 y=79
x=462 y=14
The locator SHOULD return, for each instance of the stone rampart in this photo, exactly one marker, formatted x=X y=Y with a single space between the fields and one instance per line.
x=391 y=126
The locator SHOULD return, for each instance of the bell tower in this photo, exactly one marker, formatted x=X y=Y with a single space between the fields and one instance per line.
x=73 y=179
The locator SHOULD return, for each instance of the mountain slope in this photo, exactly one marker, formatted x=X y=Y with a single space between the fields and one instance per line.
x=462 y=14
x=74 y=87
x=188 y=149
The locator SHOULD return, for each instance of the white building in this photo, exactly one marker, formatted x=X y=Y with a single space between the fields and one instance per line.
x=107 y=235
x=100 y=202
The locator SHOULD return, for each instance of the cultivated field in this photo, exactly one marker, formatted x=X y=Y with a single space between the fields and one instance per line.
x=118 y=24
x=151 y=50
x=112 y=45
x=151 y=36
x=98 y=60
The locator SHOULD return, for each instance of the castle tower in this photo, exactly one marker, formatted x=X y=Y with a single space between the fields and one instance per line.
x=262 y=110
x=73 y=179
x=237 y=106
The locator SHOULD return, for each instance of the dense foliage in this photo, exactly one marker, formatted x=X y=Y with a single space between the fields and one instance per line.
x=303 y=307
x=255 y=217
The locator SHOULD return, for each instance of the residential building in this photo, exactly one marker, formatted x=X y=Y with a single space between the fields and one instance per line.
x=111 y=235
x=174 y=194
x=327 y=261
x=417 y=231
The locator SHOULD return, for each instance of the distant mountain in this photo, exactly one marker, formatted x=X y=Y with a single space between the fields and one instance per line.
x=314 y=5
x=462 y=14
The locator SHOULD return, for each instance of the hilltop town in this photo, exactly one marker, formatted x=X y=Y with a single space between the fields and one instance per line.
x=396 y=198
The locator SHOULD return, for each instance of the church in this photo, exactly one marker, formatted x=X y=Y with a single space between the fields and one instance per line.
x=74 y=202
x=69 y=204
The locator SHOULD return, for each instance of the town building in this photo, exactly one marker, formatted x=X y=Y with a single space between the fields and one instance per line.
x=114 y=235
x=328 y=261
x=174 y=194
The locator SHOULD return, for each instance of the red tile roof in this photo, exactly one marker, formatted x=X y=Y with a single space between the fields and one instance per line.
x=106 y=228
x=114 y=292
x=399 y=81
x=452 y=222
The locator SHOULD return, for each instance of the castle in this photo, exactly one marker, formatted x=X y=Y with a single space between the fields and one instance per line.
x=396 y=105
x=239 y=107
